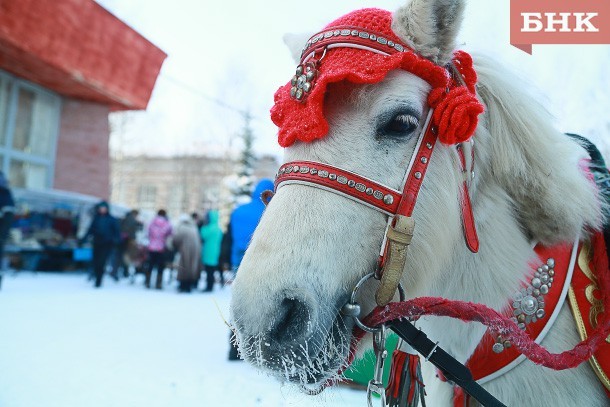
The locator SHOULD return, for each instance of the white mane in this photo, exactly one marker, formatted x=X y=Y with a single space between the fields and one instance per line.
x=529 y=171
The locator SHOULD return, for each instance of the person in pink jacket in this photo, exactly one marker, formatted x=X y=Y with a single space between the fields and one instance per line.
x=158 y=232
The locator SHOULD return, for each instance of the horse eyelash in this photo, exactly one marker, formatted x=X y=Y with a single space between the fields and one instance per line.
x=407 y=118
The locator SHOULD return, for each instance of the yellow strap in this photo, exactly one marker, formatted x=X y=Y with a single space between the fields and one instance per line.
x=398 y=237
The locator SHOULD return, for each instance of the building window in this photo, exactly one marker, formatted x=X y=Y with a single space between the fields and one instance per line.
x=176 y=200
x=147 y=197
x=29 y=124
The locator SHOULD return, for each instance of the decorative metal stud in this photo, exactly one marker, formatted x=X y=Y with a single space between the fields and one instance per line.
x=369 y=191
x=388 y=199
x=323 y=174
x=417 y=175
x=342 y=180
x=296 y=168
x=313 y=171
x=528 y=303
x=424 y=160
x=332 y=177
x=500 y=345
x=497 y=347
x=303 y=80
x=304 y=170
x=378 y=195
x=355 y=33
x=351 y=183
x=429 y=146
x=360 y=187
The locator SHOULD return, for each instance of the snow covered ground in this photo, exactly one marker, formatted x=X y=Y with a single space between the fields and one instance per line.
x=64 y=344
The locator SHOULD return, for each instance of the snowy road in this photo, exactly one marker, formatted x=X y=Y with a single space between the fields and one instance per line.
x=64 y=344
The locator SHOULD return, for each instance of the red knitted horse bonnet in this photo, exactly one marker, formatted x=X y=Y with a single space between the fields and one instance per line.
x=361 y=48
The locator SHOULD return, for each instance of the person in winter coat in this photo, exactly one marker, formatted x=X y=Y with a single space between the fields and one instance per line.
x=7 y=210
x=225 y=251
x=130 y=226
x=211 y=236
x=158 y=232
x=187 y=242
x=105 y=231
x=244 y=220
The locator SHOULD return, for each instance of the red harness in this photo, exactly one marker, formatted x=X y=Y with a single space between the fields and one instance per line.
x=452 y=118
x=576 y=276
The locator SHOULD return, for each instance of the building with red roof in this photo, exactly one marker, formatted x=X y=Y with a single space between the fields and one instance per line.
x=64 y=66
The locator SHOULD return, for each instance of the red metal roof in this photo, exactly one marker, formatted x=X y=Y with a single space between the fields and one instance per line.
x=78 y=49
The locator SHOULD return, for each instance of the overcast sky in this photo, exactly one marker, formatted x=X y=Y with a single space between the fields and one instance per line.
x=233 y=51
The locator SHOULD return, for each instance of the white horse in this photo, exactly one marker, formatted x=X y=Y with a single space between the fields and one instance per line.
x=312 y=246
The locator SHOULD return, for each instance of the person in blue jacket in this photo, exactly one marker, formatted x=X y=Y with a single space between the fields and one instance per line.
x=244 y=220
x=106 y=234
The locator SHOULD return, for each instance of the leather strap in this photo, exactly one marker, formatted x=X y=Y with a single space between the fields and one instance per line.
x=399 y=237
x=453 y=370
x=339 y=181
x=345 y=36
x=470 y=231
x=415 y=177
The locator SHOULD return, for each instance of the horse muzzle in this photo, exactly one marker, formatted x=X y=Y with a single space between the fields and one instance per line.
x=300 y=342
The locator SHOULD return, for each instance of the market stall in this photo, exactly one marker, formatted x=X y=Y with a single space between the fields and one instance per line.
x=45 y=232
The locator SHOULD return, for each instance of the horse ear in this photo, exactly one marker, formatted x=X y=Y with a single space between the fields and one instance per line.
x=430 y=27
x=295 y=43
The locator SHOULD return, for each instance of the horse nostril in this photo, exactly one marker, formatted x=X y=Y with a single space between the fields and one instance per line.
x=291 y=322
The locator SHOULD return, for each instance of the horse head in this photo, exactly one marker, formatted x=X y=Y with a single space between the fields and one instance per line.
x=362 y=109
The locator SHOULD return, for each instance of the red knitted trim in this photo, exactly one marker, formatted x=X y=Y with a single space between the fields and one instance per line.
x=306 y=121
x=456 y=107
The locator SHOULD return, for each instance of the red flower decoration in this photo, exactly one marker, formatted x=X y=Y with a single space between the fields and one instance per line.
x=455 y=114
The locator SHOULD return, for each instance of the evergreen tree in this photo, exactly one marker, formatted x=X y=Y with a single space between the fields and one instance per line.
x=245 y=170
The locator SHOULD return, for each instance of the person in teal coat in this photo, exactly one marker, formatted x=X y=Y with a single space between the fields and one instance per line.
x=211 y=237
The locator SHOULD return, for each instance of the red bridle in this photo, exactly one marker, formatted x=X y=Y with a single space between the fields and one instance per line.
x=452 y=118
x=378 y=196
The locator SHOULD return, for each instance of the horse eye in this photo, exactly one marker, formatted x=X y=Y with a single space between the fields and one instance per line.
x=400 y=125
